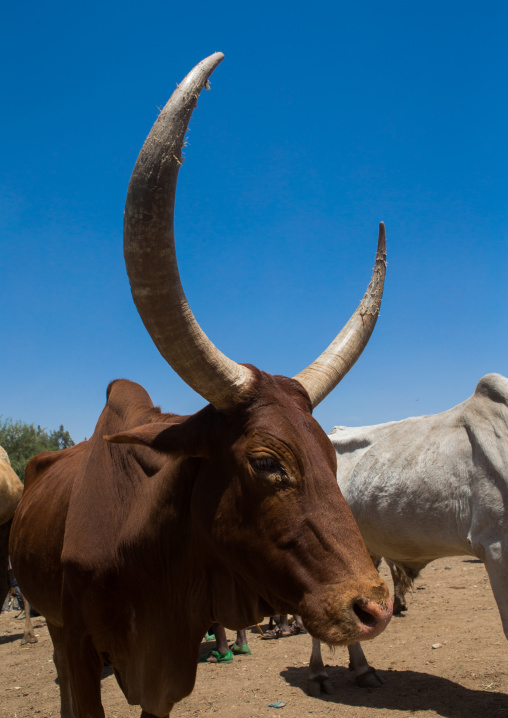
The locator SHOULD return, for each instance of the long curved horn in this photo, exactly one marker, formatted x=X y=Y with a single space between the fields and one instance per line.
x=323 y=375
x=150 y=256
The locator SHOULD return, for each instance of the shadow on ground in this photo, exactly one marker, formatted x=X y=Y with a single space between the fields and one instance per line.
x=11 y=637
x=407 y=691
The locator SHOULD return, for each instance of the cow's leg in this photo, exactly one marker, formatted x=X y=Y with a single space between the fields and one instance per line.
x=399 y=589
x=496 y=563
x=85 y=666
x=29 y=635
x=400 y=584
x=62 y=670
x=5 y=584
x=318 y=677
x=403 y=579
x=144 y=714
x=365 y=675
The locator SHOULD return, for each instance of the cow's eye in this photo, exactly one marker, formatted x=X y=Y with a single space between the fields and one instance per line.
x=270 y=471
x=267 y=464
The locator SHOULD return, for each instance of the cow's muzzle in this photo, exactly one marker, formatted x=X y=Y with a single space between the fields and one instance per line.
x=338 y=615
x=372 y=616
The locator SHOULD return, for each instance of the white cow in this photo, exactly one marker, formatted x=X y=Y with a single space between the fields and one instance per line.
x=429 y=487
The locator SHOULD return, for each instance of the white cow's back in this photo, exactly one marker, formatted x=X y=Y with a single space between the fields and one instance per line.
x=428 y=486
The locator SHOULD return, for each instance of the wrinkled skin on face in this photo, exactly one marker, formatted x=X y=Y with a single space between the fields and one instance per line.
x=268 y=515
x=278 y=515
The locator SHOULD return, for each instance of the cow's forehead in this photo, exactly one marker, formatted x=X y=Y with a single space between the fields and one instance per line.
x=282 y=412
x=280 y=390
x=279 y=399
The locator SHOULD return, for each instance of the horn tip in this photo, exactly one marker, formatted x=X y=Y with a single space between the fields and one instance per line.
x=381 y=242
x=212 y=61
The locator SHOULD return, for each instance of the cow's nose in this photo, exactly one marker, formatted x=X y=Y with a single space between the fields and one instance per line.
x=373 y=616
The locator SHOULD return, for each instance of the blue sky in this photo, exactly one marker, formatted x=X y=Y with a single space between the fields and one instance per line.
x=323 y=119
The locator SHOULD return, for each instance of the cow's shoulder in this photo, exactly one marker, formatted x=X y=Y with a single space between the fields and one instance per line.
x=38 y=466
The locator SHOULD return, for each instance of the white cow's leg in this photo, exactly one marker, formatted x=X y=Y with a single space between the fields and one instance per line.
x=365 y=675
x=403 y=580
x=496 y=563
x=318 y=677
x=401 y=585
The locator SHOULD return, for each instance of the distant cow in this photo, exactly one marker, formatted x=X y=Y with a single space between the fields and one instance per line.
x=11 y=490
x=429 y=487
x=229 y=515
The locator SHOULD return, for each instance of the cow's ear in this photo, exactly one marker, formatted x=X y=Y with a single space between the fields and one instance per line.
x=181 y=439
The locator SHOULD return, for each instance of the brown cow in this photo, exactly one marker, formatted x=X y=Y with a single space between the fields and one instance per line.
x=11 y=490
x=229 y=514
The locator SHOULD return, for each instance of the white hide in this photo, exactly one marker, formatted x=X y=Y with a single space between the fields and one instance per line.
x=432 y=486
x=429 y=487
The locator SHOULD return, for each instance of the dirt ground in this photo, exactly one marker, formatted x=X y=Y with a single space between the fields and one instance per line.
x=452 y=607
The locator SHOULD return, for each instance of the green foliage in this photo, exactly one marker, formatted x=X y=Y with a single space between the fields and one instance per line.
x=22 y=441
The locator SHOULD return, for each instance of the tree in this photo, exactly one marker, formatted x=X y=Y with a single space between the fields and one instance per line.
x=22 y=441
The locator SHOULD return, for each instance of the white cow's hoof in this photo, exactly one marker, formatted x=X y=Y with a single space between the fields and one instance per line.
x=318 y=685
x=398 y=606
x=369 y=679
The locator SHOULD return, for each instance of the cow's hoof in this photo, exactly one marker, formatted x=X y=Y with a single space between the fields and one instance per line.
x=321 y=684
x=369 y=679
x=28 y=639
x=326 y=687
x=398 y=606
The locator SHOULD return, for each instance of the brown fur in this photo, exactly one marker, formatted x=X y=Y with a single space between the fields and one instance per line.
x=179 y=504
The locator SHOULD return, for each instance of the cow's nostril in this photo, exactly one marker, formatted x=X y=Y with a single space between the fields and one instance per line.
x=365 y=617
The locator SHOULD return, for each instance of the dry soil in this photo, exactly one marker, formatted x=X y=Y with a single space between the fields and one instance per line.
x=446 y=657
